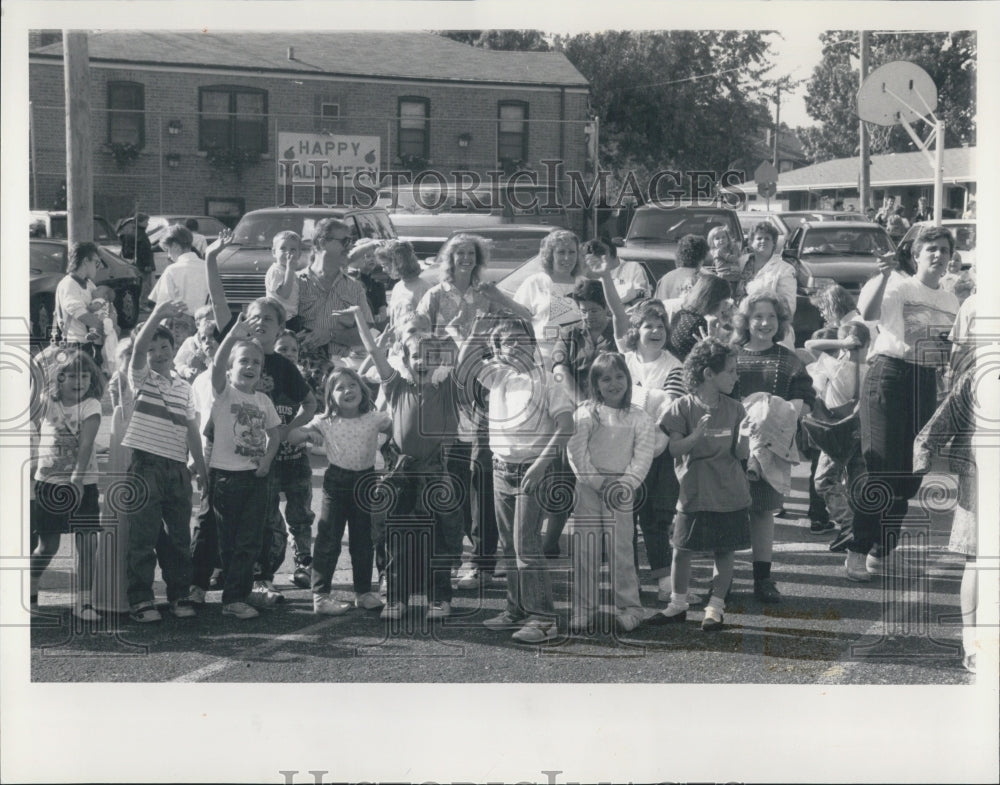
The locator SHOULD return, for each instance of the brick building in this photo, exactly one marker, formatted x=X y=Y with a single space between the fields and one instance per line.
x=193 y=122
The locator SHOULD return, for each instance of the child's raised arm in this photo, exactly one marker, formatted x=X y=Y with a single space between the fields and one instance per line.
x=240 y=332
x=385 y=371
x=220 y=305
x=163 y=310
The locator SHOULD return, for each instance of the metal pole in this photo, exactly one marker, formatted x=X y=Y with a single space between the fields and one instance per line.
x=159 y=144
x=33 y=140
x=777 y=125
x=865 y=184
x=597 y=164
x=938 y=172
x=79 y=174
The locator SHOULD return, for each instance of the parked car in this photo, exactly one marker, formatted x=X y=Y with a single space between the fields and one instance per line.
x=795 y=218
x=963 y=230
x=827 y=252
x=655 y=232
x=54 y=224
x=48 y=260
x=749 y=220
x=243 y=264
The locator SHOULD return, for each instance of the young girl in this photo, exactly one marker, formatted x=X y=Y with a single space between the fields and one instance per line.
x=530 y=421
x=400 y=262
x=349 y=431
x=724 y=254
x=66 y=474
x=708 y=441
x=764 y=365
x=281 y=283
x=610 y=452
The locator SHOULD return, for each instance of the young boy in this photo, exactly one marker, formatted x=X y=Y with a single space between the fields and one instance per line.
x=184 y=278
x=243 y=431
x=281 y=282
x=195 y=354
x=162 y=430
x=423 y=401
x=837 y=381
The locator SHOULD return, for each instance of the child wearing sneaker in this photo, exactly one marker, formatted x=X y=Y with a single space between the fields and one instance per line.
x=709 y=442
x=244 y=435
x=610 y=452
x=348 y=430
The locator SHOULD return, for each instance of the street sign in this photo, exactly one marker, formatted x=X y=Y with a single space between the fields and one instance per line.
x=766 y=173
x=767 y=190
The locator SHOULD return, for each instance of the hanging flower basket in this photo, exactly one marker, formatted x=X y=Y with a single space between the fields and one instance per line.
x=227 y=160
x=124 y=153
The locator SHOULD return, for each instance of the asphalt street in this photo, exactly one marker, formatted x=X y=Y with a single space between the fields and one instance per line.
x=898 y=629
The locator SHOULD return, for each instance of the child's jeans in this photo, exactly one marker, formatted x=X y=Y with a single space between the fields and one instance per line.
x=835 y=488
x=423 y=498
x=167 y=486
x=344 y=506
x=594 y=522
x=293 y=477
x=239 y=505
x=654 y=514
x=519 y=519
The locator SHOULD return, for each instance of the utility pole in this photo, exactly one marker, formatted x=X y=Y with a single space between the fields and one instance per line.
x=864 y=183
x=79 y=174
x=777 y=125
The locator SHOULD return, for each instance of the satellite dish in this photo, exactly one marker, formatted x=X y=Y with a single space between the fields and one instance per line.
x=897 y=91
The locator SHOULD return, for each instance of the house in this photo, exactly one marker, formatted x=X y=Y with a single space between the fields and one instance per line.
x=217 y=123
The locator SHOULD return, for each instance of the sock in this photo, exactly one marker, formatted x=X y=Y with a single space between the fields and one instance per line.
x=761 y=570
x=719 y=603
x=678 y=604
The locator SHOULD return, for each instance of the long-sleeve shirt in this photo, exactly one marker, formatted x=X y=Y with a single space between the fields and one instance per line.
x=617 y=443
x=775 y=370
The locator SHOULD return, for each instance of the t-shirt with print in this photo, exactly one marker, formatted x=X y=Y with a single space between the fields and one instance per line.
x=423 y=416
x=914 y=322
x=238 y=426
x=282 y=382
x=522 y=410
x=653 y=373
x=711 y=477
x=59 y=440
x=351 y=442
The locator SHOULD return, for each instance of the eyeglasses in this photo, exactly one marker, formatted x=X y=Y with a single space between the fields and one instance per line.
x=345 y=242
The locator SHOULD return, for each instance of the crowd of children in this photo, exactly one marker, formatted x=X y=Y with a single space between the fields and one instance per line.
x=608 y=424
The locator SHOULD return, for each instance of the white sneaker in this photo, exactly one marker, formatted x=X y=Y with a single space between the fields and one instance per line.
x=369 y=601
x=439 y=610
x=856 y=569
x=626 y=621
x=240 y=610
x=393 y=611
x=182 y=609
x=261 y=596
x=325 y=605
x=874 y=564
x=473 y=578
x=537 y=631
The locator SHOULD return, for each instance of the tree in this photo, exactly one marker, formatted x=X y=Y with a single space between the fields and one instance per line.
x=517 y=40
x=679 y=100
x=831 y=93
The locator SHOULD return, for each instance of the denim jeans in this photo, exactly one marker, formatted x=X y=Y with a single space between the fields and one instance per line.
x=204 y=544
x=343 y=506
x=471 y=465
x=239 y=505
x=294 y=479
x=168 y=506
x=898 y=399
x=426 y=503
x=555 y=518
x=654 y=513
x=274 y=541
x=834 y=481
x=519 y=519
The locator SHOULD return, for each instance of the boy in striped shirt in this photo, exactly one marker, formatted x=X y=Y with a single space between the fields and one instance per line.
x=162 y=430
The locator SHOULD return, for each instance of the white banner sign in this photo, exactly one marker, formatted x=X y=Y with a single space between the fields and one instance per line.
x=300 y=154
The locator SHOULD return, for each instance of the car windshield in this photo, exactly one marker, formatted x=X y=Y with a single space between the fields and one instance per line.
x=257 y=231
x=102 y=231
x=840 y=241
x=670 y=226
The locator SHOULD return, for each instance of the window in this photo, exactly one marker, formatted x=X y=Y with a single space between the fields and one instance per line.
x=126 y=113
x=327 y=115
x=329 y=111
x=512 y=135
x=232 y=118
x=414 y=139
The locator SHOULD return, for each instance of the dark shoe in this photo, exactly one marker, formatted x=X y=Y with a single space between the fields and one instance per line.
x=766 y=591
x=821 y=527
x=659 y=619
x=844 y=538
x=302 y=577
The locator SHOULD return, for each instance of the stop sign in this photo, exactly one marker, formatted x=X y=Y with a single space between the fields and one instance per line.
x=767 y=190
x=765 y=173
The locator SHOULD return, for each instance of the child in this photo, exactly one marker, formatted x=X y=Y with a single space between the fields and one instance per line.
x=530 y=422
x=161 y=432
x=281 y=283
x=197 y=351
x=724 y=254
x=424 y=423
x=837 y=381
x=184 y=278
x=66 y=493
x=181 y=326
x=349 y=431
x=708 y=442
x=399 y=260
x=102 y=304
x=764 y=365
x=292 y=472
x=610 y=452
x=244 y=429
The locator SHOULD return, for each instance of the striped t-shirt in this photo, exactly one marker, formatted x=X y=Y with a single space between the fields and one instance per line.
x=163 y=407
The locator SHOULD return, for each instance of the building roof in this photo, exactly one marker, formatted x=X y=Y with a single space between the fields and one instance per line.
x=388 y=55
x=894 y=169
